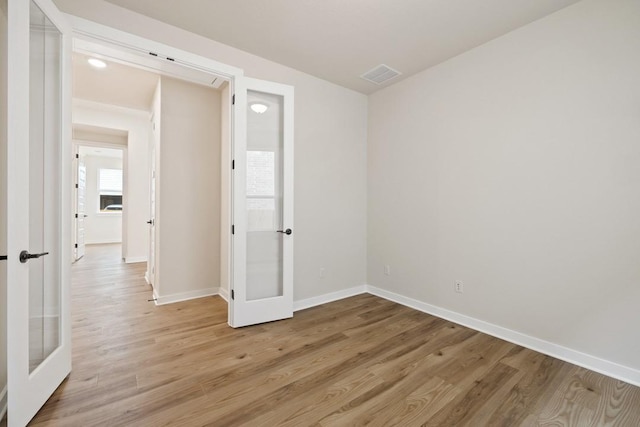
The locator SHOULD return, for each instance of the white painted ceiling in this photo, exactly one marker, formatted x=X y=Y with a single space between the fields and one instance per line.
x=117 y=84
x=338 y=40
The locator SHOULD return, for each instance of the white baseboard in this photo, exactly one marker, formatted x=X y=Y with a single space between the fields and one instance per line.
x=134 y=259
x=330 y=297
x=184 y=296
x=3 y=402
x=146 y=277
x=605 y=367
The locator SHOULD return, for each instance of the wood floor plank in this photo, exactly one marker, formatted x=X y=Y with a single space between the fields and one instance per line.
x=358 y=361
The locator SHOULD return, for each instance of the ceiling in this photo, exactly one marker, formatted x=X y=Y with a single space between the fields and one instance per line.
x=339 y=40
x=117 y=84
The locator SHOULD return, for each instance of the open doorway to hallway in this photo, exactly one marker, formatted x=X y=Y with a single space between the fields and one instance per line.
x=99 y=191
x=174 y=194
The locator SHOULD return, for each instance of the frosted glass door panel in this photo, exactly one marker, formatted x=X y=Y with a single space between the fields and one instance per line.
x=44 y=184
x=264 y=195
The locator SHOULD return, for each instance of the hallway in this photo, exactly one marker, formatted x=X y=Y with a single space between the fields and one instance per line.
x=116 y=331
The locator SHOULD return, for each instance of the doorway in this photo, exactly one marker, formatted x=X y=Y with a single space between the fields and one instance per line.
x=173 y=130
x=99 y=202
x=22 y=387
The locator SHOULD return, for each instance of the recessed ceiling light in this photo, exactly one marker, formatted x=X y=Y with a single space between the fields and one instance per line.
x=96 y=63
x=259 y=107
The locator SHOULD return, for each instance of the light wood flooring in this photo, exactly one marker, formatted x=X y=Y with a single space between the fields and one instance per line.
x=358 y=361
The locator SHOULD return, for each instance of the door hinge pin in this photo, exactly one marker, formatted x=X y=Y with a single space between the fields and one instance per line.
x=233 y=294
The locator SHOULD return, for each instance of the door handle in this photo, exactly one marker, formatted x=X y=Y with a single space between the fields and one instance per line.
x=26 y=256
x=150 y=222
x=3 y=257
x=287 y=231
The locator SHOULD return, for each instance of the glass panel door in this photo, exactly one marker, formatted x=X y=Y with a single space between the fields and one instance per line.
x=264 y=195
x=44 y=185
x=38 y=205
x=262 y=242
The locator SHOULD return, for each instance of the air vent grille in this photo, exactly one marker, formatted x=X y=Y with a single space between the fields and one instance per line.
x=380 y=74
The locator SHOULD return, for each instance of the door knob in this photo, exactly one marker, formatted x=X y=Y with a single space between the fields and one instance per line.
x=26 y=256
x=287 y=231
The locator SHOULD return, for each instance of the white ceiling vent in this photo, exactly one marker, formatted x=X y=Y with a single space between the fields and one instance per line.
x=380 y=74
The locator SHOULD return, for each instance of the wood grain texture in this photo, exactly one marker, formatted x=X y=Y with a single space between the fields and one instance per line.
x=358 y=361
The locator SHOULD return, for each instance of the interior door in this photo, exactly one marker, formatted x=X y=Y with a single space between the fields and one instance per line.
x=81 y=191
x=151 y=259
x=39 y=206
x=262 y=240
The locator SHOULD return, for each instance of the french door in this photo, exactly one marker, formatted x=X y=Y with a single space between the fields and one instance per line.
x=39 y=206
x=262 y=240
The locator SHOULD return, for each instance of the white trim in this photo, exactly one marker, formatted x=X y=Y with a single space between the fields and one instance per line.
x=605 y=367
x=134 y=259
x=3 y=402
x=92 y=31
x=224 y=294
x=330 y=297
x=596 y=364
x=184 y=296
x=146 y=278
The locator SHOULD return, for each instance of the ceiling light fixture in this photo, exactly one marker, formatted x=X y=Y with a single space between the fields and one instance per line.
x=96 y=63
x=259 y=107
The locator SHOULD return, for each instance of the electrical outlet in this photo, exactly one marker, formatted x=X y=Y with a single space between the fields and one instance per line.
x=459 y=287
x=321 y=273
x=387 y=270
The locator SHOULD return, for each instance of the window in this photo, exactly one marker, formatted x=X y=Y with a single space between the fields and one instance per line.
x=110 y=190
x=261 y=186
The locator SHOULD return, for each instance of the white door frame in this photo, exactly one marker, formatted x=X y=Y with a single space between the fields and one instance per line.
x=90 y=33
x=124 y=148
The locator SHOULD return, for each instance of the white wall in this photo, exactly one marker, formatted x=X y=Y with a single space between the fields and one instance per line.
x=514 y=168
x=330 y=153
x=100 y=227
x=136 y=197
x=189 y=205
x=3 y=202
